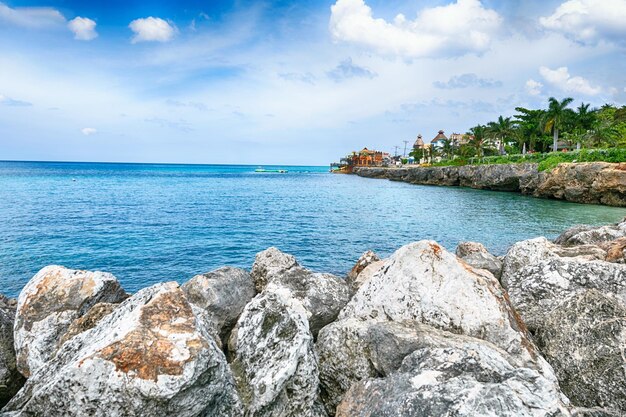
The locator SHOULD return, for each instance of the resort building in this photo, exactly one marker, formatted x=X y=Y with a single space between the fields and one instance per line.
x=438 y=140
x=364 y=158
x=459 y=139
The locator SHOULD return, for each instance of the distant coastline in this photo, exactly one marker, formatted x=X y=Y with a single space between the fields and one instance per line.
x=588 y=183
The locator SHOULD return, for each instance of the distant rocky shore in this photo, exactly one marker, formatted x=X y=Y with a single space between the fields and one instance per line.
x=540 y=331
x=590 y=182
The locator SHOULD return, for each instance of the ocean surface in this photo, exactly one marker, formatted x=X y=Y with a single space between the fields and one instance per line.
x=148 y=223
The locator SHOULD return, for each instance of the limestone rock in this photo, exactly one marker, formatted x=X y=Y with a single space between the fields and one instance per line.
x=223 y=293
x=539 y=275
x=366 y=274
x=10 y=379
x=322 y=295
x=274 y=361
x=479 y=257
x=352 y=350
x=583 y=234
x=152 y=356
x=49 y=303
x=584 y=339
x=269 y=263
x=363 y=262
x=468 y=378
x=87 y=321
x=424 y=282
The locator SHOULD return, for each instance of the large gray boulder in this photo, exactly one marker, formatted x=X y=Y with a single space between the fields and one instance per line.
x=269 y=263
x=584 y=339
x=424 y=282
x=467 y=378
x=223 y=294
x=352 y=350
x=322 y=295
x=540 y=275
x=478 y=256
x=583 y=234
x=10 y=379
x=273 y=358
x=49 y=303
x=152 y=356
x=420 y=291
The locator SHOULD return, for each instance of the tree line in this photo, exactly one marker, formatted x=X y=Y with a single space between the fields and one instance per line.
x=541 y=130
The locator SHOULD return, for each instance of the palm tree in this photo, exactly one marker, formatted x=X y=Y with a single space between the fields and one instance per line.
x=478 y=139
x=584 y=122
x=555 y=118
x=501 y=130
x=448 y=148
x=530 y=124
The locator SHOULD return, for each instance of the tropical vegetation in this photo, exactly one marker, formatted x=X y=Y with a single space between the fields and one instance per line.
x=536 y=135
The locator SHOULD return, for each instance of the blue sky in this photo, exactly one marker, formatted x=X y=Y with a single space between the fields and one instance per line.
x=287 y=82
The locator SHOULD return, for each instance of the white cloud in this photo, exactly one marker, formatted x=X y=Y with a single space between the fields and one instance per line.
x=84 y=29
x=562 y=79
x=31 y=17
x=455 y=29
x=589 y=21
x=533 y=87
x=87 y=131
x=8 y=101
x=151 y=29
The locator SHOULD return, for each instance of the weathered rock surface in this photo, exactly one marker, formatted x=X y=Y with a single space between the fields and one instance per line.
x=49 y=303
x=539 y=275
x=468 y=378
x=274 y=362
x=152 y=356
x=594 y=235
x=592 y=182
x=424 y=282
x=610 y=238
x=10 y=379
x=352 y=350
x=584 y=339
x=322 y=295
x=269 y=263
x=366 y=274
x=87 y=321
x=223 y=294
x=420 y=289
x=366 y=259
x=477 y=255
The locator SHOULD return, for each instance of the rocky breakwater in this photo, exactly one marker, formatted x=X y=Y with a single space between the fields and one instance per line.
x=591 y=183
x=424 y=332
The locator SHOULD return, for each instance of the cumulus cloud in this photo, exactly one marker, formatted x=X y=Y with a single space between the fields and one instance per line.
x=7 y=101
x=151 y=29
x=467 y=80
x=84 y=29
x=455 y=29
x=346 y=69
x=589 y=21
x=533 y=87
x=31 y=17
x=87 y=131
x=562 y=79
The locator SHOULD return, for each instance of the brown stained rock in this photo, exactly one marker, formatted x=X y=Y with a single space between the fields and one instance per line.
x=49 y=303
x=162 y=343
x=616 y=250
x=88 y=321
x=363 y=262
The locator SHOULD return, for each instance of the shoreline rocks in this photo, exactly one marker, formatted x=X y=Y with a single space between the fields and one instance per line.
x=588 y=182
x=423 y=332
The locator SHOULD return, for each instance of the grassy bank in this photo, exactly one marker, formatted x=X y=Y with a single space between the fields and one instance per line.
x=546 y=161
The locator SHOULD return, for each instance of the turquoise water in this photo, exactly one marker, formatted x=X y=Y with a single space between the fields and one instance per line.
x=152 y=223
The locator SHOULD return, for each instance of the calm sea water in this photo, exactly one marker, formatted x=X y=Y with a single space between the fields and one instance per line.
x=152 y=223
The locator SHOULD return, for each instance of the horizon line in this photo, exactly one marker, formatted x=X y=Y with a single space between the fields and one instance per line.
x=152 y=163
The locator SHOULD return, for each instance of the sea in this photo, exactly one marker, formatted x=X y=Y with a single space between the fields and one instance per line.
x=149 y=223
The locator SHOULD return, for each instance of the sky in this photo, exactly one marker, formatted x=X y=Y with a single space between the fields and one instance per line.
x=288 y=82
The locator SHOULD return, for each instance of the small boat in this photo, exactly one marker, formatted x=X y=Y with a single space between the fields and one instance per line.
x=279 y=171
